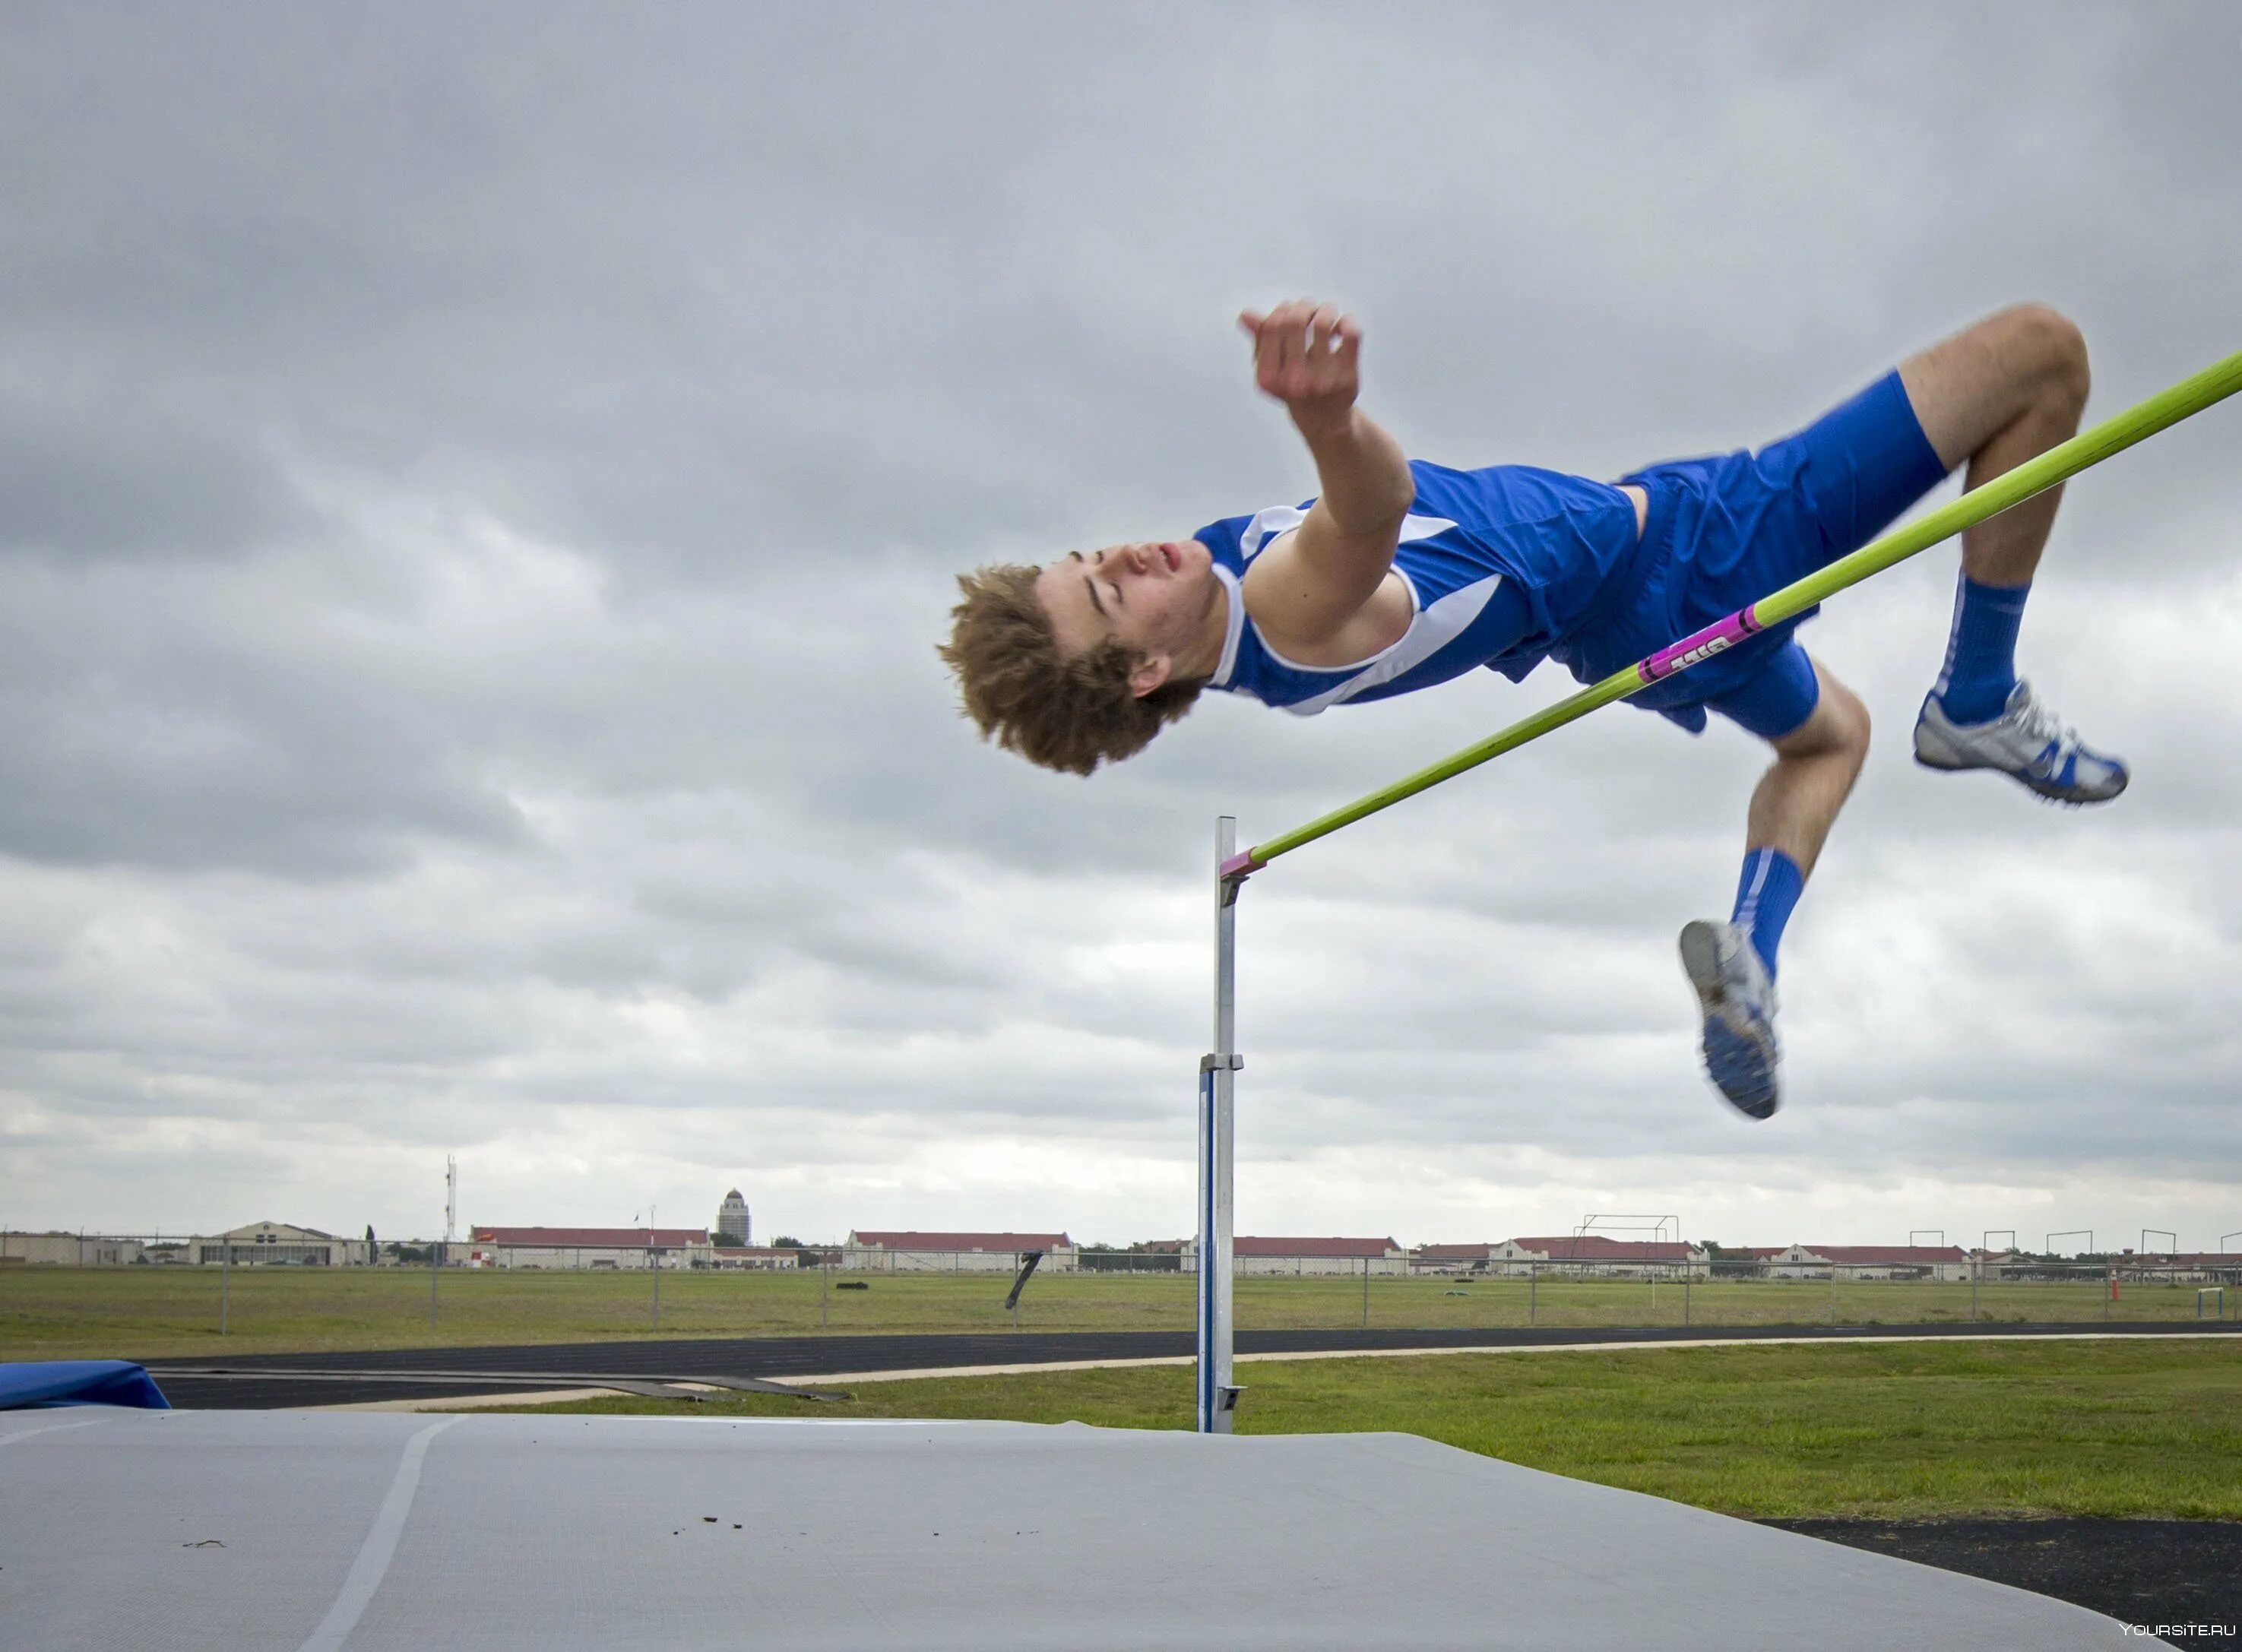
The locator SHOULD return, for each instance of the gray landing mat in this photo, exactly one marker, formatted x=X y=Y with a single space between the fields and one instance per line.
x=385 y=1532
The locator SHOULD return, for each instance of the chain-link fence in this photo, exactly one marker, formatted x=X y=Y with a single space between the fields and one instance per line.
x=71 y=1295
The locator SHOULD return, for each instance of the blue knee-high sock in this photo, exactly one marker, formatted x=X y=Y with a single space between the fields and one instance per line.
x=1980 y=655
x=1769 y=888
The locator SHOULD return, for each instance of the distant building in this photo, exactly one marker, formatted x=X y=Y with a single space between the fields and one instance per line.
x=2181 y=1267
x=67 y=1250
x=276 y=1245
x=1146 y=1256
x=1454 y=1258
x=596 y=1248
x=753 y=1256
x=1254 y=1255
x=1591 y=1255
x=1946 y=1264
x=904 y=1250
x=732 y=1218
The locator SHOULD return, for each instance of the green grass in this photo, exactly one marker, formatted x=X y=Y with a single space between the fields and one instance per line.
x=1896 y=1431
x=150 y=1312
x=2128 y=1428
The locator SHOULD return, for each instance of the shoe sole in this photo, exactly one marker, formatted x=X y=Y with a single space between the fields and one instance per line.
x=1743 y=1059
x=1949 y=761
x=2046 y=795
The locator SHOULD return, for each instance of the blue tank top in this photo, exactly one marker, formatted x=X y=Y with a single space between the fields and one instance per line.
x=1503 y=566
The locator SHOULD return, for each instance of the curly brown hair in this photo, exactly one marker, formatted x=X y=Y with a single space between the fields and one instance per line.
x=1067 y=713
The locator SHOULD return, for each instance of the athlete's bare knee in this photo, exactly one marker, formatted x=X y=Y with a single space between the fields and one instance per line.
x=1851 y=733
x=2027 y=362
x=2052 y=351
x=1839 y=727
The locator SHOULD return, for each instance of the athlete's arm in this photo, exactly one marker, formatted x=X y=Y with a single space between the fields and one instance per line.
x=1308 y=585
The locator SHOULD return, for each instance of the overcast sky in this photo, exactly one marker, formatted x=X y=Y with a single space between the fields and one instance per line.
x=479 y=487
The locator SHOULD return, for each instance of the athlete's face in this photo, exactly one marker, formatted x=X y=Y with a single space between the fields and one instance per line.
x=1160 y=600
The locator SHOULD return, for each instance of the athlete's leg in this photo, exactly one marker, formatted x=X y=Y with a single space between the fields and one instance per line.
x=1995 y=395
x=1819 y=730
x=1992 y=396
x=1815 y=766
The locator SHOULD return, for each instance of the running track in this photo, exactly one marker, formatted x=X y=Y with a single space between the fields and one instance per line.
x=273 y=1381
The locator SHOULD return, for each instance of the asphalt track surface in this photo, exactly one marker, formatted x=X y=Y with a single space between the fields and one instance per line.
x=2183 y=1575
x=347 y=1378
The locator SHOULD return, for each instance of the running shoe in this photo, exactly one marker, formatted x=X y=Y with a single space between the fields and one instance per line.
x=1737 y=996
x=2027 y=741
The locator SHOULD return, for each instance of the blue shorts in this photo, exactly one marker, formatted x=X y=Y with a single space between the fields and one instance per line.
x=1725 y=531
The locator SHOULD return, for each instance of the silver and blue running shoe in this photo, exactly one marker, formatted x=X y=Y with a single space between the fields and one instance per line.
x=1742 y=1057
x=2027 y=741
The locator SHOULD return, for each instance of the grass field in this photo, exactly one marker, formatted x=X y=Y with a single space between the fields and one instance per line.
x=2134 y=1429
x=52 y=1313
x=2127 y=1428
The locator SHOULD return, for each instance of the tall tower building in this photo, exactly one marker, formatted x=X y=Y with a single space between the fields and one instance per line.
x=732 y=1218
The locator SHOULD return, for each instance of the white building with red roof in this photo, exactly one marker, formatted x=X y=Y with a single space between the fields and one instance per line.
x=1592 y=1255
x=911 y=1250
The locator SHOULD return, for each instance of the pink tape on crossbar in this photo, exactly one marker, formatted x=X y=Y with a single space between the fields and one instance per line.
x=1700 y=645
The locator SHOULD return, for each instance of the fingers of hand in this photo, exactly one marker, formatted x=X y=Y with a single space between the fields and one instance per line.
x=1345 y=363
x=1332 y=369
x=1256 y=324
x=1292 y=343
x=1272 y=365
x=1302 y=348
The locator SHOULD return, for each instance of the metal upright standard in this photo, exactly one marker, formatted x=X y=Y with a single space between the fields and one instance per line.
x=1217 y=1396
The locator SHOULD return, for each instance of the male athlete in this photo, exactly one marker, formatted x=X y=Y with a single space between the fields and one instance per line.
x=1402 y=574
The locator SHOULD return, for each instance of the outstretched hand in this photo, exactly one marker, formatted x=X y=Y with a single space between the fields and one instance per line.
x=1305 y=354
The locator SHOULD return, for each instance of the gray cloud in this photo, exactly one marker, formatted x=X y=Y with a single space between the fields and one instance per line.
x=479 y=491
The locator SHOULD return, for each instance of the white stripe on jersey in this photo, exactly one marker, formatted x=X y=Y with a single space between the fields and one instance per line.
x=1430 y=629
